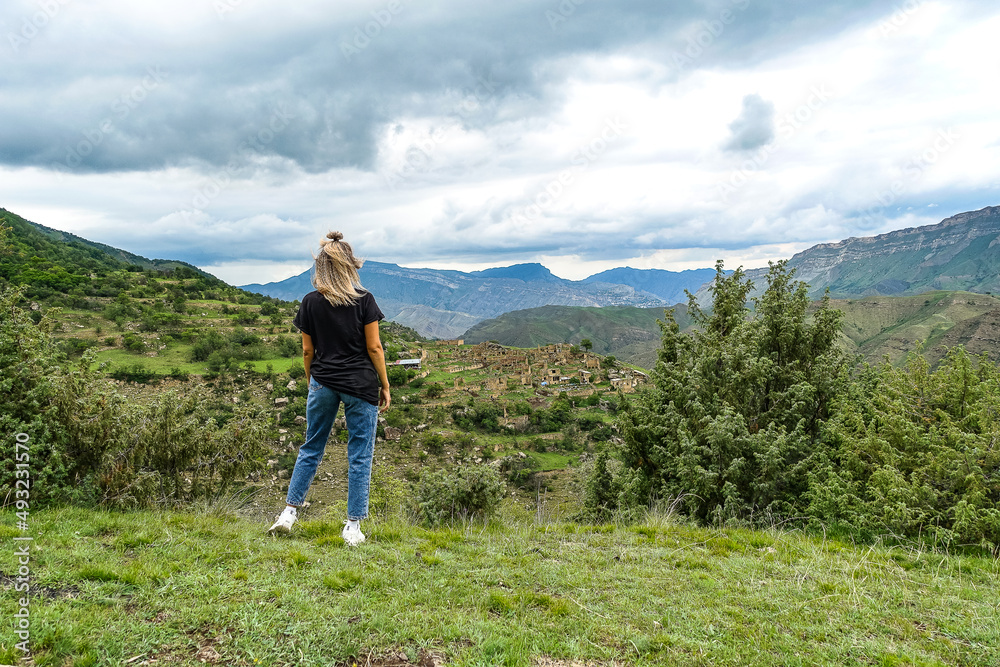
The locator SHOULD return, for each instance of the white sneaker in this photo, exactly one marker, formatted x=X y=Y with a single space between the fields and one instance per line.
x=352 y=534
x=283 y=522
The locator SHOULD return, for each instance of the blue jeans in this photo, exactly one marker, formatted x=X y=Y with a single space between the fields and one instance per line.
x=362 y=420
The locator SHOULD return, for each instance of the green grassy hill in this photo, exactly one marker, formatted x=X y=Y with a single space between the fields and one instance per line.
x=880 y=326
x=49 y=262
x=874 y=327
x=208 y=586
x=630 y=334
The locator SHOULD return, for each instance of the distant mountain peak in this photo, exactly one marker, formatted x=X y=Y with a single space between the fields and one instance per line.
x=526 y=272
x=668 y=285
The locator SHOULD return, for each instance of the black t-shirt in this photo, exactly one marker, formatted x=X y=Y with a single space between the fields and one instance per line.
x=341 y=360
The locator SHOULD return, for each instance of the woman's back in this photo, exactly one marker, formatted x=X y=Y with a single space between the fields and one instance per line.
x=341 y=360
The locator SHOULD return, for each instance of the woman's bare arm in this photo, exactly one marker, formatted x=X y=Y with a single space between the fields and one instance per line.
x=377 y=356
x=307 y=354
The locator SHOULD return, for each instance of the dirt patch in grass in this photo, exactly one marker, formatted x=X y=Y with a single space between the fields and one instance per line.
x=47 y=592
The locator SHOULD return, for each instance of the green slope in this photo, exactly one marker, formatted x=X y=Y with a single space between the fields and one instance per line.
x=631 y=334
x=874 y=327
x=880 y=326
x=50 y=262
x=959 y=253
x=145 y=316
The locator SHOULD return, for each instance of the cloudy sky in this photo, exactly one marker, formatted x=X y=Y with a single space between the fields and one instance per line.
x=583 y=134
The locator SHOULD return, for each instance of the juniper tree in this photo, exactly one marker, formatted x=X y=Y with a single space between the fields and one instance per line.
x=914 y=452
x=737 y=407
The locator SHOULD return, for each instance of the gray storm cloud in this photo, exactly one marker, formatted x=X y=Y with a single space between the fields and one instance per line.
x=210 y=96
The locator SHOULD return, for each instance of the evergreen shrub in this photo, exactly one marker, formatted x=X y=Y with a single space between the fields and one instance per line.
x=463 y=493
x=734 y=422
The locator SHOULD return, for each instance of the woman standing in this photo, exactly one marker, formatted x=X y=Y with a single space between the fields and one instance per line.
x=344 y=363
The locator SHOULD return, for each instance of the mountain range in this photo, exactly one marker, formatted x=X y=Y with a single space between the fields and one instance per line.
x=445 y=304
x=959 y=253
x=927 y=285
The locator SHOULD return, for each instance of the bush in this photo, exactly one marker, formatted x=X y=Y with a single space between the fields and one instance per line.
x=521 y=408
x=519 y=471
x=121 y=309
x=482 y=416
x=464 y=493
x=433 y=443
x=601 y=433
x=133 y=342
x=397 y=376
x=735 y=422
x=600 y=500
x=552 y=419
x=220 y=361
x=589 y=421
x=389 y=494
x=135 y=373
x=74 y=347
x=609 y=491
x=89 y=443
x=914 y=453
x=206 y=344
x=247 y=317
x=157 y=321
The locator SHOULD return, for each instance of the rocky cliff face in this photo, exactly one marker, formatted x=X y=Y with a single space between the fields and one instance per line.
x=959 y=253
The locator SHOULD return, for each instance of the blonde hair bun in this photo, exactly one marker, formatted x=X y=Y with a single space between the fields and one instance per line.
x=336 y=275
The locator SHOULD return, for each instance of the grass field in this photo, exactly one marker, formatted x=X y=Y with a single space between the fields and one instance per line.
x=209 y=586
